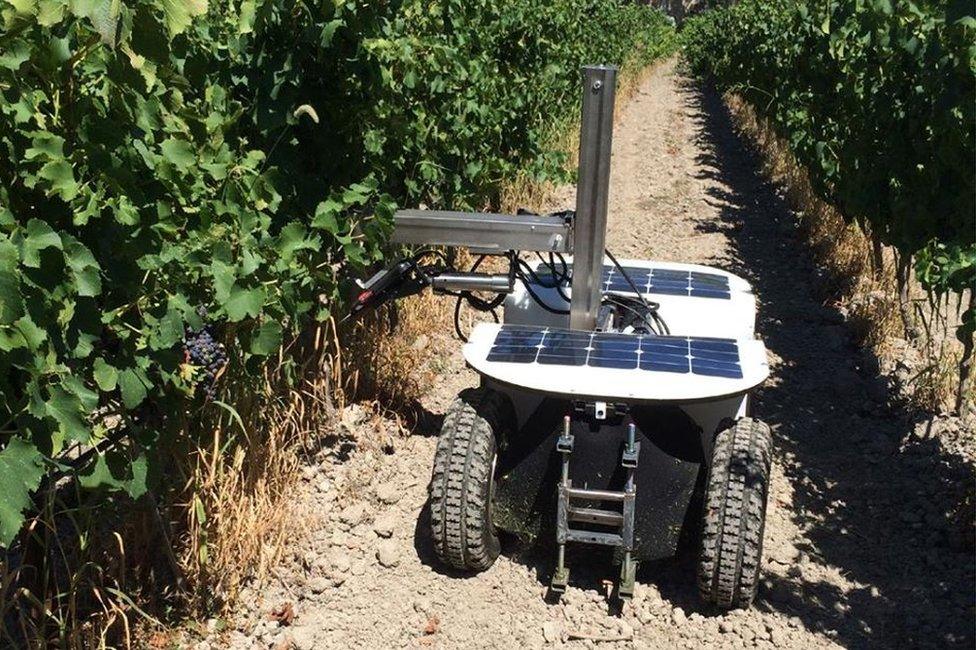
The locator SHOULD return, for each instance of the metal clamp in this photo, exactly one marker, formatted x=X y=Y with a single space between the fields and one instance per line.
x=631 y=451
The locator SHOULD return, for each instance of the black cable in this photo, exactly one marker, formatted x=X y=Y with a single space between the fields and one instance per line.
x=457 y=320
x=538 y=300
x=642 y=317
x=522 y=264
x=514 y=259
x=653 y=310
x=562 y=275
x=640 y=294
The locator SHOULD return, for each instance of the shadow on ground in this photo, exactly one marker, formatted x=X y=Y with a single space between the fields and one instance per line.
x=869 y=497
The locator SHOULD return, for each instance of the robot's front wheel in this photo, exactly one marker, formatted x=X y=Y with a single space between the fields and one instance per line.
x=735 y=514
x=462 y=483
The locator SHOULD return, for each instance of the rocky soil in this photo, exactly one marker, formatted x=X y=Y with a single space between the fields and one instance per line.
x=861 y=549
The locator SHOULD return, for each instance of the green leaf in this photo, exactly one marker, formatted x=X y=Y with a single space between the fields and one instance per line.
x=139 y=483
x=11 y=302
x=45 y=145
x=33 y=335
x=245 y=19
x=267 y=339
x=69 y=413
x=243 y=303
x=357 y=193
x=106 y=376
x=178 y=14
x=293 y=239
x=125 y=212
x=87 y=282
x=50 y=12
x=178 y=152
x=168 y=331
x=107 y=471
x=103 y=14
x=24 y=7
x=21 y=470
x=88 y=397
x=134 y=386
x=328 y=32
x=61 y=178
x=13 y=55
x=114 y=470
x=326 y=216
x=223 y=280
x=84 y=268
x=38 y=237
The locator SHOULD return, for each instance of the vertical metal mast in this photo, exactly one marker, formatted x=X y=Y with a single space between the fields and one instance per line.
x=592 y=191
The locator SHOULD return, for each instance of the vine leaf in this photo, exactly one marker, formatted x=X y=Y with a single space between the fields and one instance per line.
x=61 y=178
x=106 y=376
x=11 y=302
x=267 y=339
x=168 y=331
x=178 y=152
x=69 y=413
x=84 y=268
x=133 y=384
x=20 y=474
x=180 y=13
x=15 y=55
x=293 y=239
x=103 y=14
x=113 y=470
x=243 y=303
x=39 y=236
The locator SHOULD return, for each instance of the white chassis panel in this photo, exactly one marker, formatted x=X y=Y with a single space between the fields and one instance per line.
x=708 y=400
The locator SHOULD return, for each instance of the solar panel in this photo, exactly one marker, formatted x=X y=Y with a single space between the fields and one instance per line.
x=710 y=357
x=668 y=281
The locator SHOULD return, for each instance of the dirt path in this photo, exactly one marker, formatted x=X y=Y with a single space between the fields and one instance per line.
x=857 y=544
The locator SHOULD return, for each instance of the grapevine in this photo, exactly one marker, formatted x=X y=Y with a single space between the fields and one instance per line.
x=154 y=161
x=877 y=101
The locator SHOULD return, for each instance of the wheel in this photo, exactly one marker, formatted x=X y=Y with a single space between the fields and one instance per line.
x=734 y=514
x=461 y=486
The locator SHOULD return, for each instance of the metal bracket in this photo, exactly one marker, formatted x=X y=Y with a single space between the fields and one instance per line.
x=564 y=444
x=628 y=576
x=488 y=232
x=630 y=456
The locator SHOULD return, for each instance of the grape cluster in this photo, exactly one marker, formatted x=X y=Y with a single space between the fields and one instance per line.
x=203 y=350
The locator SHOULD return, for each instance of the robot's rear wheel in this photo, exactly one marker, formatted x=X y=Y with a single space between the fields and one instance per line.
x=462 y=483
x=734 y=514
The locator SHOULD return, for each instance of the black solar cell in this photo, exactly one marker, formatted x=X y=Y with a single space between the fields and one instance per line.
x=668 y=282
x=614 y=351
x=564 y=348
x=515 y=344
x=712 y=357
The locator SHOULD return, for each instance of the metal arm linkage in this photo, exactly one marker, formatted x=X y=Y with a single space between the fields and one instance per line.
x=582 y=233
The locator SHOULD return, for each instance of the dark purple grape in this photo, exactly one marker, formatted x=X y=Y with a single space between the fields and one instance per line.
x=203 y=350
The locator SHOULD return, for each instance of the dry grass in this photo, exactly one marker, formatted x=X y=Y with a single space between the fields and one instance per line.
x=384 y=357
x=66 y=584
x=863 y=277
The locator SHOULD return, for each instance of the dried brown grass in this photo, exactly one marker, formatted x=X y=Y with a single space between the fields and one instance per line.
x=239 y=481
x=862 y=276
